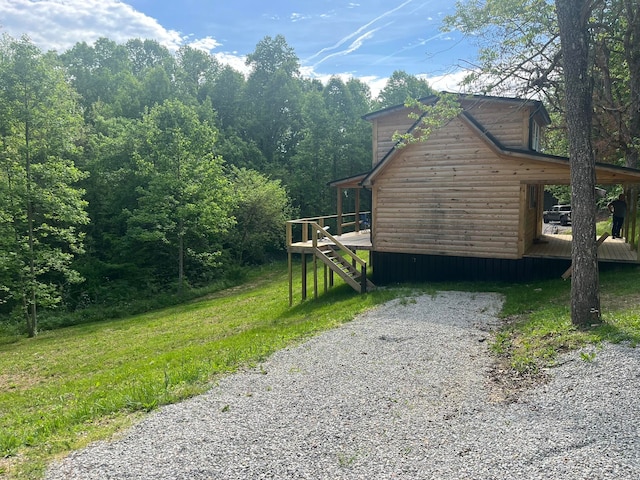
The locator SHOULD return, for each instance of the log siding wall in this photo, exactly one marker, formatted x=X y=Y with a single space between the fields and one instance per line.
x=507 y=123
x=384 y=128
x=453 y=195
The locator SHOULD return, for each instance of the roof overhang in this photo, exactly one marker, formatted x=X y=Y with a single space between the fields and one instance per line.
x=348 y=182
x=537 y=106
x=606 y=174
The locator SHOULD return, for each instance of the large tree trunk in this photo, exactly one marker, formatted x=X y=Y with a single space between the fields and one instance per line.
x=574 y=36
x=632 y=55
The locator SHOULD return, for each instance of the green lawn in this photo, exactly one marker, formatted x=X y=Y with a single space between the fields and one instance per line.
x=74 y=385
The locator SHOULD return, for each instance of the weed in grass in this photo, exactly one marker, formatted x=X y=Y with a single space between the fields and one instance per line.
x=406 y=301
x=525 y=365
x=501 y=344
x=9 y=444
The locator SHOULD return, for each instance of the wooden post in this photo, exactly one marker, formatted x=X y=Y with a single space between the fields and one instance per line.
x=314 y=243
x=632 y=214
x=290 y=280
x=304 y=276
x=357 y=219
x=325 y=278
x=602 y=238
x=339 y=208
x=625 y=225
x=315 y=276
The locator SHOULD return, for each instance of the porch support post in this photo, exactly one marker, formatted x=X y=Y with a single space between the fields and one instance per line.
x=339 y=208
x=630 y=224
x=325 y=278
x=304 y=277
x=357 y=219
x=625 y=224
x=290 y=279
x=315 y=276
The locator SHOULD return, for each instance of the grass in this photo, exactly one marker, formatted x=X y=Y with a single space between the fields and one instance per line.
x=71 y=386
x=537 y=326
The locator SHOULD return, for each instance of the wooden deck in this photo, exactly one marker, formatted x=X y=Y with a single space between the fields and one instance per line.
x=353 y=240
x=550 y=246
x=559 y=246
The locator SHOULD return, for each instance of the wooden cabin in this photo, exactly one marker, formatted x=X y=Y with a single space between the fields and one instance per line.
x=467 y=203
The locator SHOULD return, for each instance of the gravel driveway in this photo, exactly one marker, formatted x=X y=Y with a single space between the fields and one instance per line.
x=402 y=392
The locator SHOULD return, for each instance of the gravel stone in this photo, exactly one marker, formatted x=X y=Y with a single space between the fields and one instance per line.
x=401 y=392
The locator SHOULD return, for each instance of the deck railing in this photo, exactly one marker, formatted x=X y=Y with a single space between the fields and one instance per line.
x=302 y=229
x=316 y=232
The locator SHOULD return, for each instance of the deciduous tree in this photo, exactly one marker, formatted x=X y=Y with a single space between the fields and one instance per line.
x=261 y=209
x=402 y=86
x=184 y=200
x=41 y=209
x=573 y=19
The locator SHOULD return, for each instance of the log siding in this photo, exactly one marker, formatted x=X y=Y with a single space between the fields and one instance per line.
x=452 y=195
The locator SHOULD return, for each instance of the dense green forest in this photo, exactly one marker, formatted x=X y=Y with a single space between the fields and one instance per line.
x=127 y=171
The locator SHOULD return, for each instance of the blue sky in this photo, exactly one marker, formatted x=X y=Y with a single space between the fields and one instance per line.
x=366 y=39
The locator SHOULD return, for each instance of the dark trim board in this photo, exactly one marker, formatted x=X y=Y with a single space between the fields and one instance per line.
x=401 y=267
x=392 y=268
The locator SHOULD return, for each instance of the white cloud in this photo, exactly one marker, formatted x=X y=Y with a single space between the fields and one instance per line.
x=376 y=84
x=237 y=62
x=449 y=82
x=296 y=17
x=60 y=24
x=207 y=44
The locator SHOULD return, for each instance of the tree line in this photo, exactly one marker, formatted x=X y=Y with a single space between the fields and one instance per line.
x=127 y=170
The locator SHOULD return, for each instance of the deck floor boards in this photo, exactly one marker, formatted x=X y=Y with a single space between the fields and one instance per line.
x=354 y=240
x=559 y=246
x=550 y=246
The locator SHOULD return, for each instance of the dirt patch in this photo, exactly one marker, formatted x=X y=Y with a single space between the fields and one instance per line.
x=507 y=384
x=17 y=382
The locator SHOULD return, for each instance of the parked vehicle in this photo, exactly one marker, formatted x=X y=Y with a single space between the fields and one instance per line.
x=558 y=213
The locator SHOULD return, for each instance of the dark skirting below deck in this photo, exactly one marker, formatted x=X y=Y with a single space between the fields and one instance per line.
x=389 y=268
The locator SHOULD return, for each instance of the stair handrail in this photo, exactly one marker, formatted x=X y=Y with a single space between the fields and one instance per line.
x=320 y=231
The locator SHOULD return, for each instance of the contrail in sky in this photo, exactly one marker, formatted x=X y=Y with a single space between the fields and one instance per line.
x=358 y=41
x=356 y=44
x=411 y=47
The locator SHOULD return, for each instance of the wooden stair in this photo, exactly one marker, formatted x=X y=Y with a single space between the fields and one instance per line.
x=331 y=256
x=326 y=249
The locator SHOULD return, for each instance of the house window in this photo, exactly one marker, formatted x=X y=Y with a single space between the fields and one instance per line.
x=533 y=196
x=535 y=136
